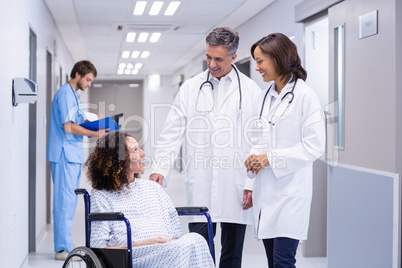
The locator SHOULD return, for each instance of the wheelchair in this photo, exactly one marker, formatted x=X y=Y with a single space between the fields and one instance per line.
x=85 y=256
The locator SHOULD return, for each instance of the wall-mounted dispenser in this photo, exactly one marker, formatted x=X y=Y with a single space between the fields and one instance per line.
x=24 y=91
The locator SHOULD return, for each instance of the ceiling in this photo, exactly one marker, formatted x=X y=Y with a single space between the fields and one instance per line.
x=90 y=30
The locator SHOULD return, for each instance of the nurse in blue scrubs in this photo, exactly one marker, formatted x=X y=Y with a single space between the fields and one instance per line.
x=65 y=152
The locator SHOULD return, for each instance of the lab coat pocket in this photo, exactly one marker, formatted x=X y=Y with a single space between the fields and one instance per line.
x=288 y=186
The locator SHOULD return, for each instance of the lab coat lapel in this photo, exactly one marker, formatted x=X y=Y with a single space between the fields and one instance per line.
x=233 y=88
x=275 y=109
x=205 y=97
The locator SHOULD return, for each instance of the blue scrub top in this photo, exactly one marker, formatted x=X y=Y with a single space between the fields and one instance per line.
x=65 y=108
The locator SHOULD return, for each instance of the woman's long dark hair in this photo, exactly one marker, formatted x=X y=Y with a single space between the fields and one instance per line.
x=284 y=53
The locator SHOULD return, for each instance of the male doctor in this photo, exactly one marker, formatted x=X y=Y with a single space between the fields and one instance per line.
x=65 y=152
x=209 y=114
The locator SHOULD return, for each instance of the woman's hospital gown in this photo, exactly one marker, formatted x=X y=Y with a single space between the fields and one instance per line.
x=151 y=214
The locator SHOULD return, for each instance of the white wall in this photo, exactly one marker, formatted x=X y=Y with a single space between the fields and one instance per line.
x=16 y=18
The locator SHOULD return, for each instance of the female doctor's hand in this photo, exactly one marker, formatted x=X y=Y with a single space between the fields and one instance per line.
x=255 y=163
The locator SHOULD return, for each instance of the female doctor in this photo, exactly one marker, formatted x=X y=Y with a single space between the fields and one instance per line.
x=291 y=136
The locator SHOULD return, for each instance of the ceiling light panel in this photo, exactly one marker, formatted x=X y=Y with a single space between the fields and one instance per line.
x=145 y=54
x=155 y=8
x=142 y=37
x=130 y=37
x=125 y=54
x=172 y=8
x=155 y=37
x=135 y=54
x=139 y=8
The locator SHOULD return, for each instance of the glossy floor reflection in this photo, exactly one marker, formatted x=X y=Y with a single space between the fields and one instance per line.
x=253 y=253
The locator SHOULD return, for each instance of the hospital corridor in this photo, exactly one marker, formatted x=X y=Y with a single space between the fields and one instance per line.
x=282 y=117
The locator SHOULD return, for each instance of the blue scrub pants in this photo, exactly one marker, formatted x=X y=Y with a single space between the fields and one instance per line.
x=281 y=252
x=66 y=178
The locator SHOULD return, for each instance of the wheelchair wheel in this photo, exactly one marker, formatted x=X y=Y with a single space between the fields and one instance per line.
x=82 y=257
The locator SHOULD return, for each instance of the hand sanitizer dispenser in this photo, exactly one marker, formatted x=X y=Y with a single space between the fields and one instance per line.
x=24 y=91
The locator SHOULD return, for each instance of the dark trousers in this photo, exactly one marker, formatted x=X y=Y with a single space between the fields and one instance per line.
x=281 y=252
x=232 y=241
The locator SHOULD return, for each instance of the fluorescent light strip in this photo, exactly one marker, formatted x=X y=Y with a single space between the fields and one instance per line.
x=145 y=54
x=155 y=37
x=171 y=9
x=142 y=37
x=130 y=37
x=156 y=8
x=139 y=8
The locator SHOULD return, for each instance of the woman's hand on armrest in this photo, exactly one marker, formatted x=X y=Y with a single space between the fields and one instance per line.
x=147 y=242
x=152 y=241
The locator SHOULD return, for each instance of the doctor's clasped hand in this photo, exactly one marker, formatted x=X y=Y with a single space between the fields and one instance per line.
x=255 y=163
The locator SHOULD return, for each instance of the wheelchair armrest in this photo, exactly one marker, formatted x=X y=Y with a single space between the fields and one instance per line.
x=191 y=209
x=107 y=216
x=80 y=191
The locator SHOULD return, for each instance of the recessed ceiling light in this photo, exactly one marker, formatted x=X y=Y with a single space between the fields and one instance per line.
x=127 y=71
x=142 y=37
x=122 y=65
x=145 y=54
x=120 y=71
x=130 y=66
x=134 y=71
x=138 y=66
x=130 y=37
x=139 y=7
x=135 y=54
x=154 y=37
x=171 y=9
x=125 y=54
x=156 y=8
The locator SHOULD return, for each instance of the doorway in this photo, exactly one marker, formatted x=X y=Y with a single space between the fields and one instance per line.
x=317 y=67
x=32 y=148
x=120 y=97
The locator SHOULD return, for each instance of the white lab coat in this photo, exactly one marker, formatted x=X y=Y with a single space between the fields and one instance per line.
x=215 y=147
x=283 y=191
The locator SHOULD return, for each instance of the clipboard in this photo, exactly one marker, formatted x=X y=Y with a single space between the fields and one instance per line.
x=103 y=123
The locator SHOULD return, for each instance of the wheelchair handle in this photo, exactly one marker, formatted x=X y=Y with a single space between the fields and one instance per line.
x=191 y=209
x=80 y=191
x=109 y=216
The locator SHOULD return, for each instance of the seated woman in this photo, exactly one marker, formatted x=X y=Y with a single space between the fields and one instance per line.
x=158 y=241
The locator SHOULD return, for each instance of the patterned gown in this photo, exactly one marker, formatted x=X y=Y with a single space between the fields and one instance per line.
x=151 y=214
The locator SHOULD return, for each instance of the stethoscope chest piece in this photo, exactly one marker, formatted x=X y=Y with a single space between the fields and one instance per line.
x=259 y=123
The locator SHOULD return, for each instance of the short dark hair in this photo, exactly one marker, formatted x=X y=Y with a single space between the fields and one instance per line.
x=106 y=166
x=224 y=36
x=83 y=68
x=284 y=53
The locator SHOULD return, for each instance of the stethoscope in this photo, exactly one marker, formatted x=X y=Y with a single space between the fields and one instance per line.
x=207 y=82
x=258 y=122
x=76 y=99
